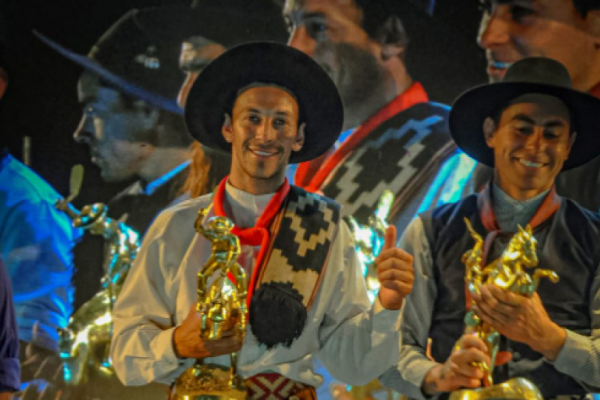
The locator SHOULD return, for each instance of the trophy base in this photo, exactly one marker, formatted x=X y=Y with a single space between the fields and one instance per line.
x=513 y=389
x=209 y=382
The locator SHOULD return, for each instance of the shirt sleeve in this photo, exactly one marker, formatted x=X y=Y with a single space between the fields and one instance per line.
x=580 y=355
x=141 y=349
x=35 y=243
x=9 y=343
x=408 y=374
x=358 y=341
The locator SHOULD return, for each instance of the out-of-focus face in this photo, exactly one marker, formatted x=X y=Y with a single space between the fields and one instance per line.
x=511 y=30
x=263 y=131
x=111 y=129
x=331 y=32
x=196 y=54
x=531 y=143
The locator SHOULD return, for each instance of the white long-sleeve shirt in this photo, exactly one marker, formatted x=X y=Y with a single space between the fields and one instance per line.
x=356 y=341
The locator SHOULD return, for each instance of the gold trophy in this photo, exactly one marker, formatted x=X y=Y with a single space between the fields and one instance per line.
x=369 y=240
x=85 y=344
x=223 y=306
x=508 y=272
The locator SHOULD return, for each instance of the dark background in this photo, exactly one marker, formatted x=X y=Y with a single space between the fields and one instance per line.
x=41 y=101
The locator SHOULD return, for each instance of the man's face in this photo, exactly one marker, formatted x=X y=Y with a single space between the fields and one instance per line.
x=330 y=31
x=196 y=54
x=530 y=143
x=110 y=129
x=511 y=30
x=263 y=131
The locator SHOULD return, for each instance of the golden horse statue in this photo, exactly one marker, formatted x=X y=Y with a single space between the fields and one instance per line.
x=223 y=305
x=508 y=272
x=84 y=344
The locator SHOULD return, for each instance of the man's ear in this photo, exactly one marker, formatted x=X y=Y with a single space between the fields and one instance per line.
x=393 y=38
x=151 y=114
x=227 y=129
x=300 y=136
x=489 y=128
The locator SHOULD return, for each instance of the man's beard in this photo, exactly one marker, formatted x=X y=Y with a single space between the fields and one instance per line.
x=356 y=74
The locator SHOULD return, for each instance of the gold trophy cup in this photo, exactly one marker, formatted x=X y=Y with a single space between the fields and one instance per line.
x=223 y=305
x=508 y=273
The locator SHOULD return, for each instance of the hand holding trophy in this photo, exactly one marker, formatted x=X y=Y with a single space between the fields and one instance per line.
x=506 y=277
x=216 y=324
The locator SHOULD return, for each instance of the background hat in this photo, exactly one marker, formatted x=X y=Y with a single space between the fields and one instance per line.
x=139 y=54
x=215 y=90
x=530 y=75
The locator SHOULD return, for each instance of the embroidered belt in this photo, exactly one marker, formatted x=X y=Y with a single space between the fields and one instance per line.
x=274 y=386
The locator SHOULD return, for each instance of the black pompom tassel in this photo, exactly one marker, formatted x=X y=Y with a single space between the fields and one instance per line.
x=277 y=315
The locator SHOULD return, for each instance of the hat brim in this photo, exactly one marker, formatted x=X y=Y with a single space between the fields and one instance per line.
x=114 y=80
x=214 y=92
x=470 y=110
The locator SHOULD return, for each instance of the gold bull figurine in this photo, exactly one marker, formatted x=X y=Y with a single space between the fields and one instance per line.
x=508 y=272
x=223 y=305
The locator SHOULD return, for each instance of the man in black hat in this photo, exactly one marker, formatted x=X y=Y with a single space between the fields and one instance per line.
x=247 y=21
x=306 y=294
x=394 y=138
x=566 y=31
x=529 y=128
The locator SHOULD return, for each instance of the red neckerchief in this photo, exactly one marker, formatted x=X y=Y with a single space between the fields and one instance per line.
x=415 y=94
x=595 y=91
x=258 y=234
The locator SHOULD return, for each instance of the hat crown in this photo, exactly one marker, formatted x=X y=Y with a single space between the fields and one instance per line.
x=539 y=70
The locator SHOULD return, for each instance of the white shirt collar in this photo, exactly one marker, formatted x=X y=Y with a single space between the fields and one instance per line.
x=245 y=208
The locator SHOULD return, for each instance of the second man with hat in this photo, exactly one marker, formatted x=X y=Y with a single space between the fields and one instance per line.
x=529 y=128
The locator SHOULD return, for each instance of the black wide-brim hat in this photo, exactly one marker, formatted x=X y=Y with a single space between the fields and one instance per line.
x=530 y=75
x=139 y=54
x=214 y=92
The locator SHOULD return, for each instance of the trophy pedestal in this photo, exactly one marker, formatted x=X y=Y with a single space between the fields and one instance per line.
x=513 y=389
x=209 y=382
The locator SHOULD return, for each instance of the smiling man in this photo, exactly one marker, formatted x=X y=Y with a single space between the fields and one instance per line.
x=529 y=128
x=306 y=294
x=565 y=30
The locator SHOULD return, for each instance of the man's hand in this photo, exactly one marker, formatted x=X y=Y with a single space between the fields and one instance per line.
x=189 y=344
x=395 y=272
x=458 y=371
x=521 y=319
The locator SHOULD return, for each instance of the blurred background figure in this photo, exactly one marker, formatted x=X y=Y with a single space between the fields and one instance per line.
x=565 y=30
x=9 y=341
x=394 y=138
x=35 y=244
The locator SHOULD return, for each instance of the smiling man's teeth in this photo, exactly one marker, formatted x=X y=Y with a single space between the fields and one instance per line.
x=530 y=163
x=263 y=153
